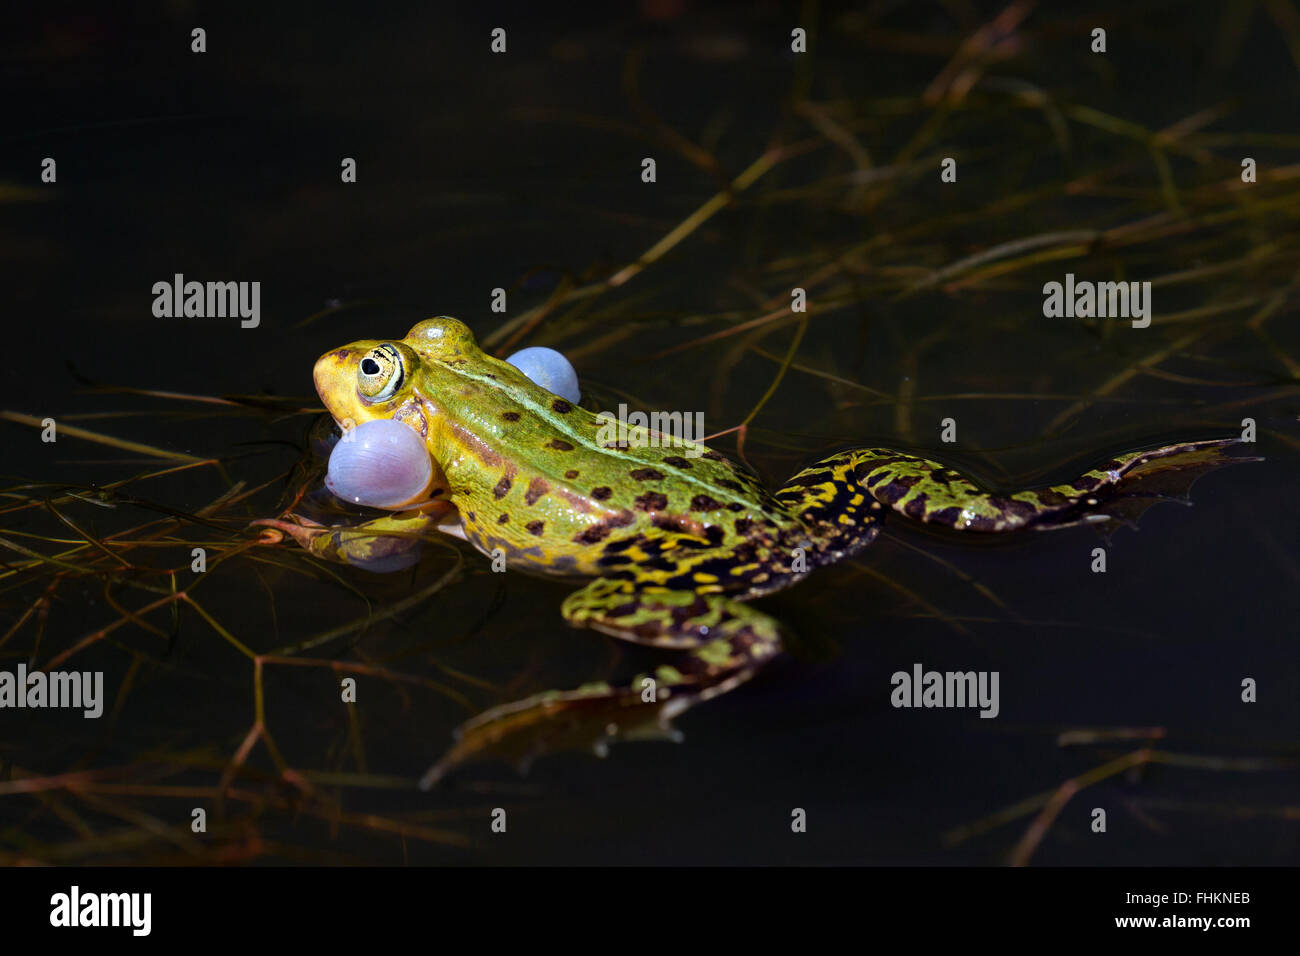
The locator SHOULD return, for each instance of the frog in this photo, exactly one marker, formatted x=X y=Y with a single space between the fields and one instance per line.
x=664 y=542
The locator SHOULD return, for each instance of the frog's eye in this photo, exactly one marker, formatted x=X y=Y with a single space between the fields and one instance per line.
x=380 y=373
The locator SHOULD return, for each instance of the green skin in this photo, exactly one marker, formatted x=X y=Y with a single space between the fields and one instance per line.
x=671 y=542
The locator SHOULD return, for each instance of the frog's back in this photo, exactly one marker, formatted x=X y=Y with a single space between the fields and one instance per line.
x=553 y=485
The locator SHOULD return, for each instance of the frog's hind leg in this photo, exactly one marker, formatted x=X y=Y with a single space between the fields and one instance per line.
x=836 y=511
x=846 y=495
x=931 y=492
x=724 y=638
x=724 y=643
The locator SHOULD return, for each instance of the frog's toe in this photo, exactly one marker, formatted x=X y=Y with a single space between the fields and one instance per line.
x=301 y=530
x=726 y=643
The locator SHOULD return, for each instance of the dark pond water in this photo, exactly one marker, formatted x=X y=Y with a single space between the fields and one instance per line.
x=523 y=171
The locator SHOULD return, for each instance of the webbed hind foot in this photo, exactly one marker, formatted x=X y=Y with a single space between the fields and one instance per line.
x=726 y=644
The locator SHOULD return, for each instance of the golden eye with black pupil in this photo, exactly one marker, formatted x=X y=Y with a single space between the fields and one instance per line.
x=380 y=373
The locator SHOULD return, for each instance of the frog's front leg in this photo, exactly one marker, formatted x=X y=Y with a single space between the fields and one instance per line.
x=725 y=641
x=381 y=544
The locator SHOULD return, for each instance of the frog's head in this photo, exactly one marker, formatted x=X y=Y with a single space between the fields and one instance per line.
x=366 y=380
x=412 y=380
x=465 y=405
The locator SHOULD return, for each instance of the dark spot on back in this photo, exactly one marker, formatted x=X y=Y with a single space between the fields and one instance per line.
x=510 y=416
x=601 y=493
x=714 y=534
x=730 y=485
x=504 y=519
x=536 y=488
x=704 y=503
x=651 y=501
x=561 y=406
x=677 y=461
x=571 y=474
x=743 y=525
x=535 y=527
x=502 y=488
x=713 y=455
x=736 y=506
x=601 y=530
x=669 y=522
x=647 y=474
x=559 y=444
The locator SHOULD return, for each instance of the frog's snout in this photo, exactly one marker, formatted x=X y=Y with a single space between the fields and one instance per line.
x=329 y=367
x=331 y=375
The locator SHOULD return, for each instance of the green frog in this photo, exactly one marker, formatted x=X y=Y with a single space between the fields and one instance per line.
x=669 y=541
